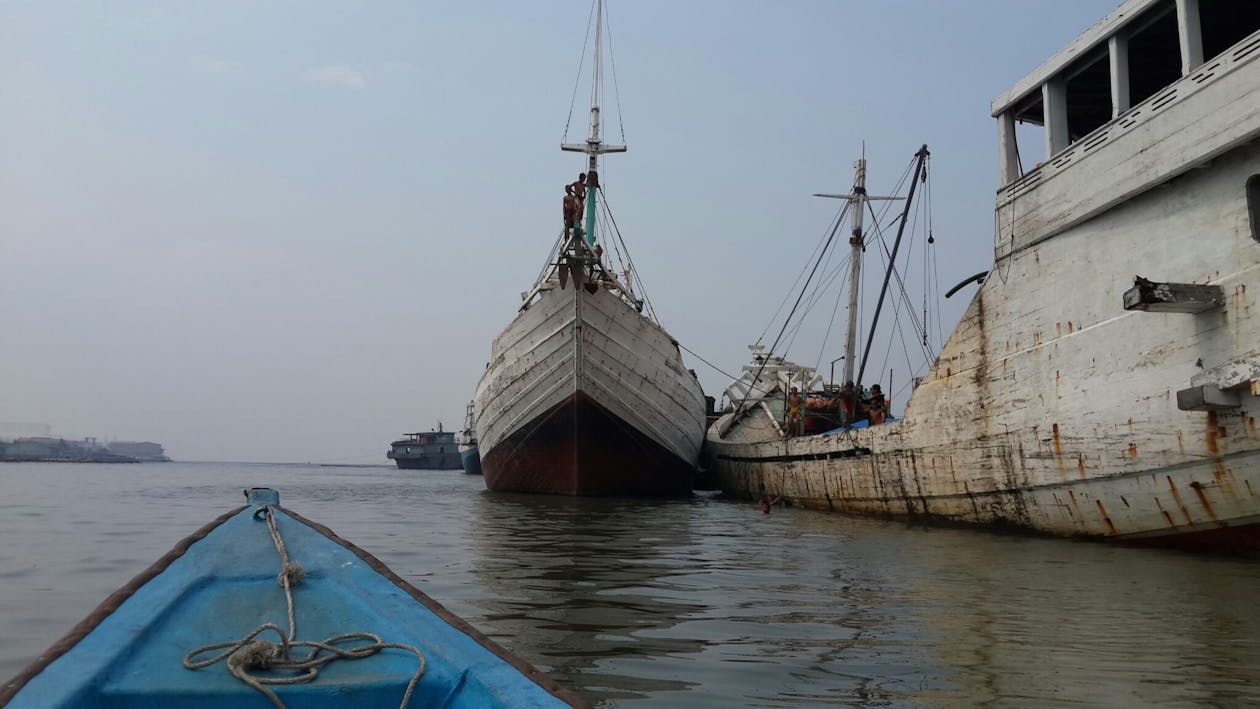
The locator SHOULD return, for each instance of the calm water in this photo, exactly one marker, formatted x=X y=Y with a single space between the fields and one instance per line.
x=701 y=602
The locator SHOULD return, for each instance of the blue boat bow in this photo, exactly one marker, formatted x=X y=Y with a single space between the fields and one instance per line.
x=220 y=588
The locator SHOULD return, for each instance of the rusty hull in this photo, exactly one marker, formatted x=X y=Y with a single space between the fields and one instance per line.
x=1053 y=409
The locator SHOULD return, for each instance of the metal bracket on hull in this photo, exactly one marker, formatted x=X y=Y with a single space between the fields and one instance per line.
x=1153 y=297
x=1206 y=397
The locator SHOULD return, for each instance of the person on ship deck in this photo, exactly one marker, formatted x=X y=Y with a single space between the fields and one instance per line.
x=877 y=407
x=570 y=209
x=579 y=191
x=848 y=403
x=794 y=404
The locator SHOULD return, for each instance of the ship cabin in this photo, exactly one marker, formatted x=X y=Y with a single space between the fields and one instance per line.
x=1174 y=73
x=431 y=438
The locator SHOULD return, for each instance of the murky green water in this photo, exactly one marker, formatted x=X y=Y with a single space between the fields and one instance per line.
x=701 y=602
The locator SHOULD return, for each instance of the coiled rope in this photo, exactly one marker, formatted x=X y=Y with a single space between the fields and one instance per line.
x=252 y=653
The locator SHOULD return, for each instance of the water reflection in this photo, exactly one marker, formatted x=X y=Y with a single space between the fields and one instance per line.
x=583 y=580
x=700 y=602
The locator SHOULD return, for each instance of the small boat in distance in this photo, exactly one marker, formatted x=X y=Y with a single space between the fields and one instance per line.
x=467 y=439
x=435 y=450
x=585 y=393
x=197 y=629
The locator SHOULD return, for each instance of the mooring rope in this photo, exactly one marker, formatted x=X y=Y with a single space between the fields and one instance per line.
x=250 y=652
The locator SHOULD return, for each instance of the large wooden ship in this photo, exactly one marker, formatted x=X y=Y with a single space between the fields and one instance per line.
x=1103 y=381
x=585 y=393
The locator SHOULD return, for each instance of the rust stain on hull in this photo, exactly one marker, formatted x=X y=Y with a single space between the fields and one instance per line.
x=1167 y=517
x=1177 y=498
x=1106 y=520
x=1207 y=507
x=1213 y=430
x=1058 y=446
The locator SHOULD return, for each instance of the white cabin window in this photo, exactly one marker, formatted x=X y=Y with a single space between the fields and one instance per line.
x=1253 y=205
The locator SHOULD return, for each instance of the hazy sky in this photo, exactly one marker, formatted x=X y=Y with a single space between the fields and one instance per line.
x=288 y=231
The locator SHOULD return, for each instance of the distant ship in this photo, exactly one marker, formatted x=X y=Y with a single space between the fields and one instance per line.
x=468 y=453
x=60 y=450
x=435 y=450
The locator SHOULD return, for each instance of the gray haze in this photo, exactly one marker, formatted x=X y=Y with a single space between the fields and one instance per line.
x=289 y=231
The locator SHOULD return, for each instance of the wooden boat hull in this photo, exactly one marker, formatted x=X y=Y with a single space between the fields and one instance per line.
x=220 y=584
x=1054 y=409
x=586 y=396
x=471 y=459
x=579 y=448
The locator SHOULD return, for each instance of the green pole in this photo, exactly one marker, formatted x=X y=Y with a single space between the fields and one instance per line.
x=590 y=215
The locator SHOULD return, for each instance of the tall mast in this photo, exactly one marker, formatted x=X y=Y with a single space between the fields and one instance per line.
x=857 y=203
x=593 y=147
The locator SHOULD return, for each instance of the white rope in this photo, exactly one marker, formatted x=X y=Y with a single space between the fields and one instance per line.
x=251 y=653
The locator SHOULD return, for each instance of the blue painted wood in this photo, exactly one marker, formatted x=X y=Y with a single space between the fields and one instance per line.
x=471 y=460
x=224 y=586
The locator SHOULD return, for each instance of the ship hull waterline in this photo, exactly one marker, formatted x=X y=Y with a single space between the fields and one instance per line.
x=584 y=395
x=580 y=448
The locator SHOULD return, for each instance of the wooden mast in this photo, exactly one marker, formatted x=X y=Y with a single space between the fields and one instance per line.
x=857 y=203
x=593 y=147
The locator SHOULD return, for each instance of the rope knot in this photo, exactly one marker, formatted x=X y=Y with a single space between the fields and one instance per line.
x=256 y=654
x=292 y=572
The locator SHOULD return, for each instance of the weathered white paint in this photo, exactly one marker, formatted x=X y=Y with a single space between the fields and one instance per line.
x=1008 y=151
x=1189 y=35
x=1055 y=116
x=1118 y=61
x=1051 y=407
x=1179 y=128
x=570 y=340
x=1087 y=41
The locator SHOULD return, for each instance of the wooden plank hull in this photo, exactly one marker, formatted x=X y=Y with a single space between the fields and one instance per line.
x=1052 y=408
x=586 y=396
x=580 y=448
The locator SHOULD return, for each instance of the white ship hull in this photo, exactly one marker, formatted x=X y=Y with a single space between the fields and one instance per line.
x=585 y=396
x=1051 y=407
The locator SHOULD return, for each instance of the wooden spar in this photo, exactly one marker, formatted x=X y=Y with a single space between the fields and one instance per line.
x=892 y=260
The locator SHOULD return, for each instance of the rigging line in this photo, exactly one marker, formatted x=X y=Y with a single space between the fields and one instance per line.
x=634 y=269
x=840 y=214
x=920 y=156
x=886 y=254
x=818 y=290
x=551 y=258
x=578 y=79
x=901 y=284
x=719 y=370
x=936 y=292
x=756 y=378
x=901 y=333
x=897 y=328
x=831 y=321
x=612 y=59
x=815 y=296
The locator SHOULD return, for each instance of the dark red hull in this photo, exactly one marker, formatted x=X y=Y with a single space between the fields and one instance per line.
x=579 y=448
